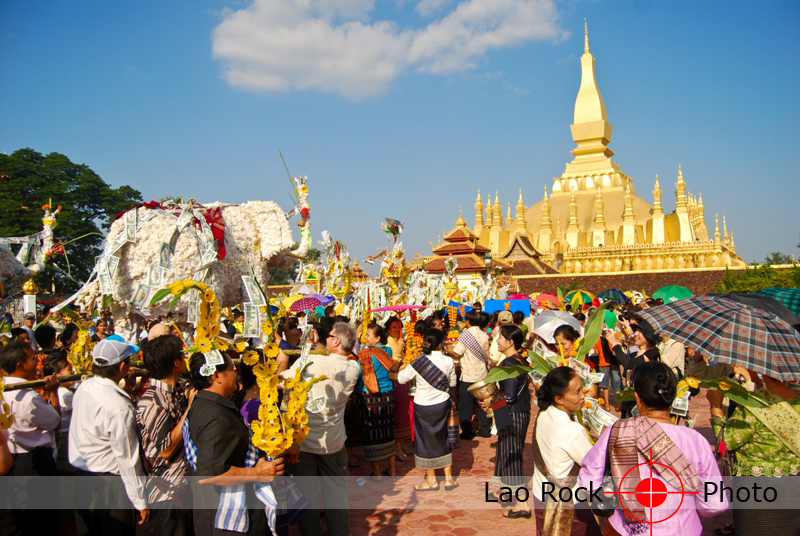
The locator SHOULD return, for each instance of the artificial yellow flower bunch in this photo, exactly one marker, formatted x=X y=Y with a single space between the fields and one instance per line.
x=685 y=384
x=295 y=417
x=272 y=432
x=80 y=353
x=268 y=325
x=269 y=433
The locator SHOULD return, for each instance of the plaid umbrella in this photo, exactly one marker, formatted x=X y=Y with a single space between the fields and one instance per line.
x=304 y=304
x=728 y=331
x=790 y=297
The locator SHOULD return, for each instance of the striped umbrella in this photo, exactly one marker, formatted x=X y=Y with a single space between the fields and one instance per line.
x=578 y=298
x=790 y=297
x=731 y=332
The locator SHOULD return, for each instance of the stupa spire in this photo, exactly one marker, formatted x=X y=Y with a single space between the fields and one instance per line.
x=725 y=229
x=573 y=231
x=478 y=214
x=509 y=219
x=585 y=38
x=657 y=208
x=521 y=225
x=460 y=222
x=717 y=237
x=546 y=222
x=599 y=231
x=497 y=212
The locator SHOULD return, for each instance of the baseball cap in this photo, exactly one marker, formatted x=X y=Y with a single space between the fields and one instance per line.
x=505 y=318
x=110 y=352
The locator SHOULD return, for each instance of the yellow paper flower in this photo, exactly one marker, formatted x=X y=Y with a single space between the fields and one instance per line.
x=240 y=346
x=692 y=382
x=271 y=351
x=222 y=344
x=724 y=386
x=203 y=345
x=176 y=287
x=266 y=328
x=209 y=295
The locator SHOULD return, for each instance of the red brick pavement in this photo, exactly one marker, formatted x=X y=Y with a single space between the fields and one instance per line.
x=392 y=507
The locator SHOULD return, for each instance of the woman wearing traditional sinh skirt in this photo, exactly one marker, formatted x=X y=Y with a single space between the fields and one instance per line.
x=376 y=401
x=508 y=470
x=434 y=374
x=402 y=400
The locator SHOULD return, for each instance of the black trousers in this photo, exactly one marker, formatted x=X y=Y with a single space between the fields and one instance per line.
x=22 y=521
x=466 y=406
x=168 y=520
x=110 y=510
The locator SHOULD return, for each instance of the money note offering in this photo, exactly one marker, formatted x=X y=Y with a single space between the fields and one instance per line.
x=113 y=262
x=192 y=313
x=253 y=292
x=596 y=377
x=139 y=298
x=113 y=246
x=154 y=277
x=680 y=406
x=185 y=218
x=130 y=225
x=215 y=358
x=173 y=240
x=252 y=326
x=315 y=405
x=102 y=276
x=165 y=257
x=582 y=369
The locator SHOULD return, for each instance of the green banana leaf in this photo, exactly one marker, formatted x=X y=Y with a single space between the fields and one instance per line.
x=736 y=392
x=159 y=295
x=506 y=373
x=594 y=328
x=626 y=395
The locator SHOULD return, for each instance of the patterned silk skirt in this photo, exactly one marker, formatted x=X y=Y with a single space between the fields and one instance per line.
x=376 y=415
x=402 y=412
x=431 y=448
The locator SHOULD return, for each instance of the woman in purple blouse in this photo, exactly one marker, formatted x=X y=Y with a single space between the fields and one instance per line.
x=653 y=438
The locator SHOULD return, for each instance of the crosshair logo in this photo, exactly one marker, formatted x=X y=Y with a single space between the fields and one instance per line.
x=650 y=492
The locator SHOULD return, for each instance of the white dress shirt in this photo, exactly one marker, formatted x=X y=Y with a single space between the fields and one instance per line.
x=426 y=395
x=34 y=419
x=103 y=435
x=562 y=442
x=326 y=433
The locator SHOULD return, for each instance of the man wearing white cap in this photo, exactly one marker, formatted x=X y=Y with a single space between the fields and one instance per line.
x=103 y=441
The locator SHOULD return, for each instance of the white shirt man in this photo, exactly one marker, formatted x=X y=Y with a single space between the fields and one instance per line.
x=103 y=437
x=323 y=454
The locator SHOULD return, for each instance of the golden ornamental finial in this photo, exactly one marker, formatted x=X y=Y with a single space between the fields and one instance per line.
x=479 y=197
x=520 y=201
x=658 y=187
x=700 y=200
x=545 y=192
x=716 y=227
x=496 y=199
x=680 y=173
x=585 y=37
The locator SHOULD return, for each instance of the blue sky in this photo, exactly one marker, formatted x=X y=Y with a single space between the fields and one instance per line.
x=405 y=108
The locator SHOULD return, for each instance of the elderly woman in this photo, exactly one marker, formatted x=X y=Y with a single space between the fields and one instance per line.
x=376 y=401
x=402 y=400
x=508 y=471
x=218 y=438
x=435 y=374
x=559 y=446
x=673 y=450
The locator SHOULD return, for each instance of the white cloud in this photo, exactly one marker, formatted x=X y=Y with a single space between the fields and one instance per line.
x=331 y=45
x=426 y=8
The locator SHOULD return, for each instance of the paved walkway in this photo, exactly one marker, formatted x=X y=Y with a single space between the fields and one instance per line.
x=392 y=507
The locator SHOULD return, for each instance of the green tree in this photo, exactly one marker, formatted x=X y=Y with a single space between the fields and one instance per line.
x=754 y=279
x=284 y=276
x=778 y=258
x=29 y=180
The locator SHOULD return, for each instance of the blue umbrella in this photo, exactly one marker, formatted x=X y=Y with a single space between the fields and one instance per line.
x=324 y=300
x=614 y=295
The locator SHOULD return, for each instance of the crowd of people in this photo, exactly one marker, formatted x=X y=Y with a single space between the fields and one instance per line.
x=145 y=435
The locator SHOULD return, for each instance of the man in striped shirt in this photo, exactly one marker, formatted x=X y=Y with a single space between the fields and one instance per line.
x=159 y=416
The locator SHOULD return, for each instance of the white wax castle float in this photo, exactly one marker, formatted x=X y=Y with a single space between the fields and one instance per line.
x=154 y=244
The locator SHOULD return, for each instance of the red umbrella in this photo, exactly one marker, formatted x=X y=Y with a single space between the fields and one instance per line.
x=304 y=304
x=547 y=299
x=518 y=297
x=398 y=308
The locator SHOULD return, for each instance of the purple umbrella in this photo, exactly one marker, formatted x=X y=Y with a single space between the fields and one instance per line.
x=323 y=300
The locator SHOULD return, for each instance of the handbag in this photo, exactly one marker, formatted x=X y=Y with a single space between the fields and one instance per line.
x=610 y=501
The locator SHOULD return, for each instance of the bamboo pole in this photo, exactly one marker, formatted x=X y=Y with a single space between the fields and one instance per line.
x=137 y=364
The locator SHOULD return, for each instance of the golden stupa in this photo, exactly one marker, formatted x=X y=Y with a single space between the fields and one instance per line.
x=593 y=221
